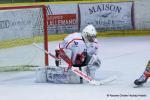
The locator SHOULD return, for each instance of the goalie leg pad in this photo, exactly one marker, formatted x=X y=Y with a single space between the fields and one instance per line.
x=92 y=66
x=41 y=75
x=94 y=62
x=59 y=75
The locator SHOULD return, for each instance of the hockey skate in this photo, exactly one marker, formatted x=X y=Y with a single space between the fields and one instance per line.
x=140 y=81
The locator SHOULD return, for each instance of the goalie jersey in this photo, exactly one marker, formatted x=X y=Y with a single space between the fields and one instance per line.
x=75 y=44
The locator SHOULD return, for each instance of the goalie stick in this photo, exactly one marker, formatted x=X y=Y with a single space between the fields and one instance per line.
x=76 y=70
x=45 y=51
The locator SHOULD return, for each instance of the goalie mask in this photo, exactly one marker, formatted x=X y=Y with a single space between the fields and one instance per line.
x=89 y=34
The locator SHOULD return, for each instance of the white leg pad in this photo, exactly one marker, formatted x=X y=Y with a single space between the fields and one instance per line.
x=41 y=75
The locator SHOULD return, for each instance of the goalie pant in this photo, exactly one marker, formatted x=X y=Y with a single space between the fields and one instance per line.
x=60 y=75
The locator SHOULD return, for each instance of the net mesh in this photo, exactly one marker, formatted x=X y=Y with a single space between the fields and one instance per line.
x=19 y=28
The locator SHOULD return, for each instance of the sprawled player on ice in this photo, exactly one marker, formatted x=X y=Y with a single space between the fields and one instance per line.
x=82 y=49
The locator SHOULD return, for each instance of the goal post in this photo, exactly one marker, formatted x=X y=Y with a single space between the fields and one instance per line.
x=20 y=26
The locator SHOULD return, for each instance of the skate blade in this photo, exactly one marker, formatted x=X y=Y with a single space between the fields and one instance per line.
x=138 y=86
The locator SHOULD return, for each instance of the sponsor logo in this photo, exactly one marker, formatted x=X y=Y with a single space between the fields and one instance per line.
x=57 y=76
x=107 y=16
x=105 y=7
x=76 y=44
x=4 y=24
x=62 y=19
x=7 y=23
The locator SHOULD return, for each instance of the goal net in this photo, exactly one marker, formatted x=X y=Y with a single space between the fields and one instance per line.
x=20 y=27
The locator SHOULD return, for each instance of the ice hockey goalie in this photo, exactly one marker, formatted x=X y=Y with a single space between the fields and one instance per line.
x=82 y=49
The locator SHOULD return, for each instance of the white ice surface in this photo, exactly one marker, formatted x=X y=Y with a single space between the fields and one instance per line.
x=124 y=57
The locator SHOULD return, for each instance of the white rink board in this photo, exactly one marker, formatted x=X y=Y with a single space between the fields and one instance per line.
x=59 y=20
x=106 y=16
x=20 y=23
x=142 y=14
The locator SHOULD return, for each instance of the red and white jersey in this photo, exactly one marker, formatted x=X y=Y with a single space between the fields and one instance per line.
x=74 y=42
